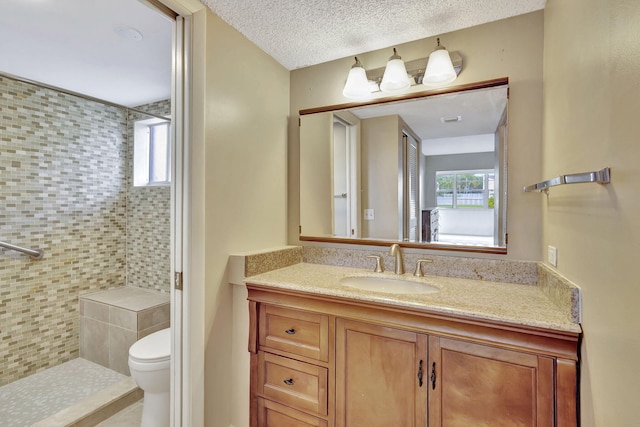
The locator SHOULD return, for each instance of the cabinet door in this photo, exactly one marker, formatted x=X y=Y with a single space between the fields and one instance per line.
x=377 y=370
x=477 y=385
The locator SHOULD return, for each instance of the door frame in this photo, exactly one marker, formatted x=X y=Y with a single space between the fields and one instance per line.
x=187 y=348
x=180 y=138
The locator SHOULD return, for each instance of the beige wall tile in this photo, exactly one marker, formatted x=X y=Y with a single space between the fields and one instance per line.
x=123 y=318
x=153 y=316
x=144 y=332
x=94 y=339
x=119 y=342
x=95 y=310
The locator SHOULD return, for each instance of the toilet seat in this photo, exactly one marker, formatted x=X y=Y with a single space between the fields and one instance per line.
x=135 y=366
x=152 y=349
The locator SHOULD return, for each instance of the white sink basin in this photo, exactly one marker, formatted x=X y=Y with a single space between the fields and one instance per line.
x=388 y=285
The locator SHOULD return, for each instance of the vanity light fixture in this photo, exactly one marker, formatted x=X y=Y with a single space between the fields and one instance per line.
x=395 y=76
x=357 y=85
x=440 y=69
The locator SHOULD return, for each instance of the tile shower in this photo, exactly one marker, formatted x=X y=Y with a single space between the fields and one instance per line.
x=66 y=187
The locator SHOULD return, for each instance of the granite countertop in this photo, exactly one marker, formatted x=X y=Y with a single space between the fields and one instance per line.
x=524 y=305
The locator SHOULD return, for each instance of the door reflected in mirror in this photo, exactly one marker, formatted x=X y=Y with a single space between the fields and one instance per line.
x=428 y=171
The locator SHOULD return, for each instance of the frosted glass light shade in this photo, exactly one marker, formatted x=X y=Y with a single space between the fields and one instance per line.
x=439 y=68
x=357 y=85
x=395 y=75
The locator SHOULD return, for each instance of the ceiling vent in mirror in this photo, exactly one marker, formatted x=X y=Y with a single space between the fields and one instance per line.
x=451 y=119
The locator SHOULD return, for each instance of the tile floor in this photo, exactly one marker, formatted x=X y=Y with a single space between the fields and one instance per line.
x=31 y=399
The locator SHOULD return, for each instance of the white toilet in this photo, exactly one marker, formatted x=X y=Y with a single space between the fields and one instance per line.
x=149 y=360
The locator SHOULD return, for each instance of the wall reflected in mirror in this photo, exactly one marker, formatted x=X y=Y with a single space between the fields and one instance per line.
x=429 y=171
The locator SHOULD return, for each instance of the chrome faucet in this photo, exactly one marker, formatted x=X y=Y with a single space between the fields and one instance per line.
x=395 y=251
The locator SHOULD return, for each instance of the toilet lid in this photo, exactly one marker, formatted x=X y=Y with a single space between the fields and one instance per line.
x=152 y=348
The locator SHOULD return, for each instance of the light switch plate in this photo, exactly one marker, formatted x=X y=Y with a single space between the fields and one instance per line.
x=368 y=214
x=552 y=255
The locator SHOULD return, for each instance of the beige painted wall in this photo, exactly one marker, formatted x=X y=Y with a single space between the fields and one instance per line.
x=379 y=154
x=508 y=48
x=238 y=202
x=318 y=130
x=592 y=100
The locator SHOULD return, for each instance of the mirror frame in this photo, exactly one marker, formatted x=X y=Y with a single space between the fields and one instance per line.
x=418 y=245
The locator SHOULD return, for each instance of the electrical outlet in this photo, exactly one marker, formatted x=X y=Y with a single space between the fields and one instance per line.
x=552 y=256
x=368 y=214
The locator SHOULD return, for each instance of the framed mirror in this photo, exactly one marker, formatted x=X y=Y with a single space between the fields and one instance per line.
x=427 y=170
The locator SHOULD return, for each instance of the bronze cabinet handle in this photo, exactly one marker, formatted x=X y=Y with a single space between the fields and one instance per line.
x=433 y=376
x=420 y=374
x=288 y=382
x=291 y=331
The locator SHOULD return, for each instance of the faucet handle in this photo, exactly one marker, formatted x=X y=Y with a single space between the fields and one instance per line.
x=419 y=272
x=379 y=265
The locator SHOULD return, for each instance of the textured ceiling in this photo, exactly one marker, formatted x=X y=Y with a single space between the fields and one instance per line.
x=300 y=33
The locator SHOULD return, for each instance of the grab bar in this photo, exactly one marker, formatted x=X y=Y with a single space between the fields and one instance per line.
x=601 y=177
x=33 y=253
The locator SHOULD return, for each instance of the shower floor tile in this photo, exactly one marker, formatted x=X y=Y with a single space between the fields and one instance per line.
x=30 y=399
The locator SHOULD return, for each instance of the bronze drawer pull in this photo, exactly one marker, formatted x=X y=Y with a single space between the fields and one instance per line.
x=289 y=381
x=291 y=331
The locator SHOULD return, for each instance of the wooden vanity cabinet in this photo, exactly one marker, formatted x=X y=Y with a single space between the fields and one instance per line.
x=291 y=358
x=354 y=363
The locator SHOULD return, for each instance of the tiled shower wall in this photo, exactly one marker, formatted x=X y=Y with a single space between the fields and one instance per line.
x=64 y=189
x=148 y=220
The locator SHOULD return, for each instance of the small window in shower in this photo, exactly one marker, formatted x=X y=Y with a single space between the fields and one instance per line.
x=152 y=153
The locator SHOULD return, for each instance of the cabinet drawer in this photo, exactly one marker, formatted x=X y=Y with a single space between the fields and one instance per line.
x=271 y=414
x=292 y=383
x=297 y=332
